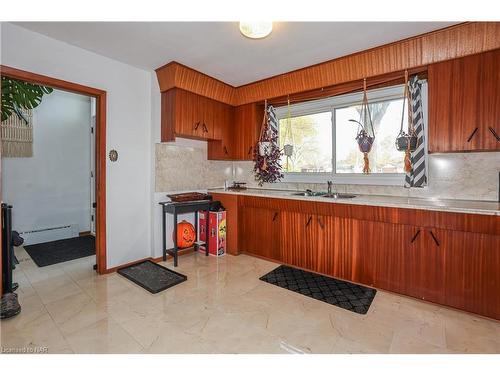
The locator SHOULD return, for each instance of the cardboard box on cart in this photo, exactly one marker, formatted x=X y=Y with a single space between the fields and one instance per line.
x=217 y=231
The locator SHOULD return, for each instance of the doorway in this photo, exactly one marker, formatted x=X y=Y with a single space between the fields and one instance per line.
x=97 y=202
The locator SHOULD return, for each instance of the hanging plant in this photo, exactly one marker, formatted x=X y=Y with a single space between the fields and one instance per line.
x=366 y=134
x=18 y=95
x=266 y=157
x=407 y=142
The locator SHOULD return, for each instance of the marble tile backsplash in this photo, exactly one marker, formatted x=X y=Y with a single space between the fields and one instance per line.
x=180 y=168
x=471 y=176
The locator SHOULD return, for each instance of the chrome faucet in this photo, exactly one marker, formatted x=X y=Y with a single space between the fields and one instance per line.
x=330 y=185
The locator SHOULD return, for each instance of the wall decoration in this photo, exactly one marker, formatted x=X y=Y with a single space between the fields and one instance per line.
x=113 y=155
x=366 y=134
x=19 y=98
x=267 y=167
x=17 y=135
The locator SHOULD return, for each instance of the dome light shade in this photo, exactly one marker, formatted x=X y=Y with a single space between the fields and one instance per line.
x=256 y=30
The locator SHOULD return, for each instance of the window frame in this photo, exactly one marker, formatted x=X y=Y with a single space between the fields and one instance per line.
x=343 y=101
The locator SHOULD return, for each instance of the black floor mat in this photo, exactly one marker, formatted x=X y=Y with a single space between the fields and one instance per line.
x=349 y=296
x=151 y=276
x=48 y=253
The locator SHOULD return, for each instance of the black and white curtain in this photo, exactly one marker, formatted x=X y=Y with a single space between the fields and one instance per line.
x=417 y=177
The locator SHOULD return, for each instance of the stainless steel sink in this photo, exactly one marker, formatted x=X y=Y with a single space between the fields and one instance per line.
x=339 y=196
x=309 y=193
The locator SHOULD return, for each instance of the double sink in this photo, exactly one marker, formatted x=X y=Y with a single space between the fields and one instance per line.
x=309 y=193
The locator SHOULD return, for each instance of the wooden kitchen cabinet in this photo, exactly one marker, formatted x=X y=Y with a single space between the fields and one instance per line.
x=299 y=239
x=424 y=271
x=188 y=115
x=259 y=232
x=240 y=136
x=337 y=251
x=401 y=258
x=222 y=148
x=472 y=281
x=247 y=124
x=464 y=104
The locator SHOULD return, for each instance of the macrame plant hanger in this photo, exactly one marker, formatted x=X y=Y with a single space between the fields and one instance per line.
x=366 y=134
x=407 y=142
x=264 y=141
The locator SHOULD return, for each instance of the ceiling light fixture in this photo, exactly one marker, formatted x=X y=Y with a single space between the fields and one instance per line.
x=256 y=30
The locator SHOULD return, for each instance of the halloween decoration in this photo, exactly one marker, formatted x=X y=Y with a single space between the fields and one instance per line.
x=366 y=134
x=267 y=167
x=186 y=234
x=407 y=142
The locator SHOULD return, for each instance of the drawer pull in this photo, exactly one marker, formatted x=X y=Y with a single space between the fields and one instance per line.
x=309 y=221
x=415 y=236
x=492 y=131
x=472 y=135
x=196 y=125
x=275 y=216
x=225 y=150
x=434 y=238
x=205 y=129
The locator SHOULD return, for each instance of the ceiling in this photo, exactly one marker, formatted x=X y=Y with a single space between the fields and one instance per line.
x=219 y=50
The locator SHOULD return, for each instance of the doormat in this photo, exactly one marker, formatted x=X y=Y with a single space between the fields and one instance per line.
x=349 y=296
x=48 y=253
x=151 y=276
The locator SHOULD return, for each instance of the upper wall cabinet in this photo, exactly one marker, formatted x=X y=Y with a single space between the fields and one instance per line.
x=464 y=104
x=188 y=115
x=239 y=139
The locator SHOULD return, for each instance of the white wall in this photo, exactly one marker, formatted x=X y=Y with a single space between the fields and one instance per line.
x=128 y=181
x=52 y=188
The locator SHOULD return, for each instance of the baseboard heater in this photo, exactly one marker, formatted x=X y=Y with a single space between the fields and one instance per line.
x=40 y=235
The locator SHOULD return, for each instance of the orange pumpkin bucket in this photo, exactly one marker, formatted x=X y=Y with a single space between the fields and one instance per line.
x=186 y=235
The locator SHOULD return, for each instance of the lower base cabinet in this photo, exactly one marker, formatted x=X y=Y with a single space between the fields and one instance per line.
x=259 y=230
x=472 y=272
x=456 y=268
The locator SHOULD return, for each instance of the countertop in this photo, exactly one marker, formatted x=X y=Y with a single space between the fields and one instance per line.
x=449 y=205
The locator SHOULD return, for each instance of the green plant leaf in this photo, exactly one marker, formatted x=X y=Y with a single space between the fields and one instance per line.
x=18 y=94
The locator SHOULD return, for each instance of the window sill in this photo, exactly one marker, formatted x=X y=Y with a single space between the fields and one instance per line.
x=351 y=179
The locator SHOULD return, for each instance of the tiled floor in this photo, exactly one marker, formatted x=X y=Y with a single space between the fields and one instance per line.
x=222 y=308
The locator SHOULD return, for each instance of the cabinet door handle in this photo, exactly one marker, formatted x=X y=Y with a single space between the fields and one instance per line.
x=205 y=129
x=415 y=236
x=434 y=238
x=492 y=131
x=275 y=216
x=196 y=125
x=321 y=223
x=250 y=150
x=472 y=135
x=225 y=150
x=309 y=221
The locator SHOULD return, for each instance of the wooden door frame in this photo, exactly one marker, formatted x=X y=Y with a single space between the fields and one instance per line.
x=100 y=147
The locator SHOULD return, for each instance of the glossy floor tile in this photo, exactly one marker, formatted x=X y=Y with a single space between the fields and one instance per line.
x=223 y=307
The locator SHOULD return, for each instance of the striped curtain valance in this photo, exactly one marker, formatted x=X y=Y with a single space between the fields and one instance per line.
x=17 y=136
x=417 y=177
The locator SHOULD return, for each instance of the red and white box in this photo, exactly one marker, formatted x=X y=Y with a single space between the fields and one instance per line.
x=217 y=230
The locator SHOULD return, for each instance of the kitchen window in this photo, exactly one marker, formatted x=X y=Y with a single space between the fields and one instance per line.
x=323 y=138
